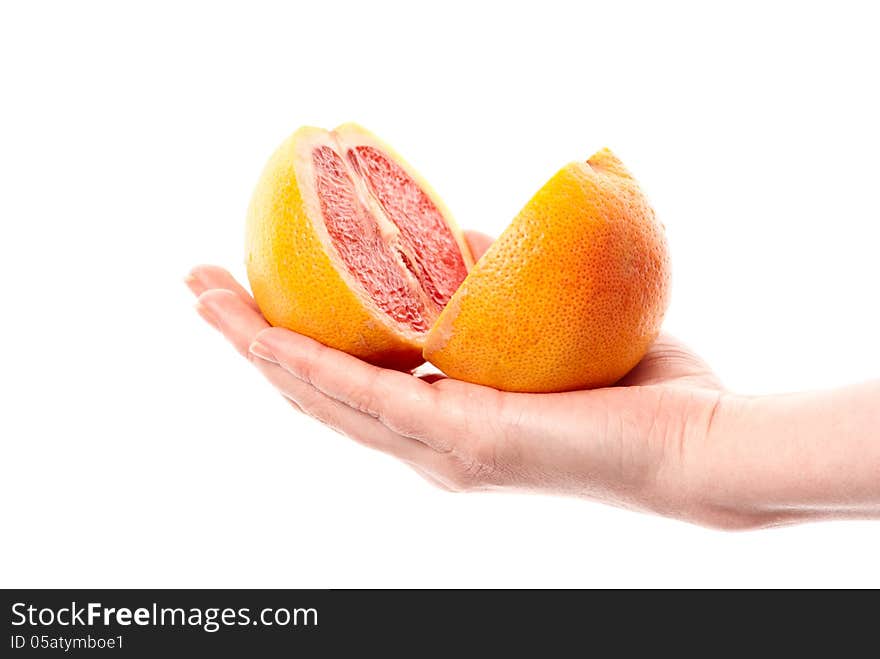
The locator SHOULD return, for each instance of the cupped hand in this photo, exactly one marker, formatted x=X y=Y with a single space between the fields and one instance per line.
x=644 y=444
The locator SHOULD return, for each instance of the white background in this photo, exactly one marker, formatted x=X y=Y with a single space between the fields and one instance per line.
x=139 y=450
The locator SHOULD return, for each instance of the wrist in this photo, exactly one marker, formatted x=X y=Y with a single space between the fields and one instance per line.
x=778 y=459
x=735 y=473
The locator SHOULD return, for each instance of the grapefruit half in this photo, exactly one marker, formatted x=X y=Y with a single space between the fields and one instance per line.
x=570 y=296
x=348 y=245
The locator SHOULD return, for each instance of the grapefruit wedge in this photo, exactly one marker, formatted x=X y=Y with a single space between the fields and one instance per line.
x=570 y=296
x=348 y=245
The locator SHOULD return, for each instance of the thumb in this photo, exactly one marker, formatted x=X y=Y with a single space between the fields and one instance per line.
x=478 y=242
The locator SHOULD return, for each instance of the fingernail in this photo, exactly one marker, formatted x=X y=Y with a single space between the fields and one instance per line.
x=193 y=283
x=207 y=315
x=257 y=349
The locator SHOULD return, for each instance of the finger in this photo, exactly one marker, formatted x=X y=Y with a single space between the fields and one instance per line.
x=238 y=321
x=436 y=482
x=206 y=277
x=478 y=242
x=403 y=403
x=361 y=427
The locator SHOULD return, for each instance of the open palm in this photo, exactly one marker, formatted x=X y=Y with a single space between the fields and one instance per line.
x=641 y=444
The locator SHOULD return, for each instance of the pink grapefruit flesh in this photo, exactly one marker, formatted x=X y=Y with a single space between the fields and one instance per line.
x=391 y=237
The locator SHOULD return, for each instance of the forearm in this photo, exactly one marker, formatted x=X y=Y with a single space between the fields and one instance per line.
x=798 y=456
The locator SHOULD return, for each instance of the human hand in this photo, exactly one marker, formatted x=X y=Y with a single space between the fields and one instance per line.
x=659 y=441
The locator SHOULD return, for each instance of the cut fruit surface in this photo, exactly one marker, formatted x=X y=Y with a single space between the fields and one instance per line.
x=346 y=244
x=433 y=255
x=358 y=240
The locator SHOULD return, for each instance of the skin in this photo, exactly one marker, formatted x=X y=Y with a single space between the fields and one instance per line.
x=667 y=439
